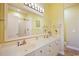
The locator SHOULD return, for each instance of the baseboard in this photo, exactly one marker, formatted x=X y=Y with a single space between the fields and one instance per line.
x=74 y=48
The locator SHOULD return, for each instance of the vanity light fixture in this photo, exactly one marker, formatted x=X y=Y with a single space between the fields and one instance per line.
x=35 y=7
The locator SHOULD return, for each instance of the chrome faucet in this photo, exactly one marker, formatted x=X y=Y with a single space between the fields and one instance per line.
x=19 y=43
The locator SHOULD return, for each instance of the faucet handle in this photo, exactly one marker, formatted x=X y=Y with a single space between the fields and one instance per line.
x=24 y=42
x=18 y=43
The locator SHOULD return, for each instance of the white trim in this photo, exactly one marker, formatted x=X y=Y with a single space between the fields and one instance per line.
x=74 y=48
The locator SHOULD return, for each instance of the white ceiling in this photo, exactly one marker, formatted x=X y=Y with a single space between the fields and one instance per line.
x=66 y=5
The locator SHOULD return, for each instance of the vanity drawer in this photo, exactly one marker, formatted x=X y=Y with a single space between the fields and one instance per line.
x=38 y=52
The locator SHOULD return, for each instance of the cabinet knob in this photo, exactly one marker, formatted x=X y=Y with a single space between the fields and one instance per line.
x=41 y=51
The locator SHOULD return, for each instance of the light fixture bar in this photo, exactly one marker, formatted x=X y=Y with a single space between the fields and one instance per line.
x=35 y=7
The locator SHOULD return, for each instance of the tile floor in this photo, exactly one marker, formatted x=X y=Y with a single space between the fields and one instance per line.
x=70 y=52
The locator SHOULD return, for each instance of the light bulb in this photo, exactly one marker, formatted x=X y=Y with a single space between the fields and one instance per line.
x=43 y=10
x=32 y=4
x=36 y=7
x=40 y=9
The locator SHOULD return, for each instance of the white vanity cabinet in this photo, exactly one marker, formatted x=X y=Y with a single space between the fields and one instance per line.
x=51 y=49
x=31 y=48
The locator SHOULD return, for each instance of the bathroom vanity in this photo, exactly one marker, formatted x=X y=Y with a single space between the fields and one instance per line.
x=34 y=47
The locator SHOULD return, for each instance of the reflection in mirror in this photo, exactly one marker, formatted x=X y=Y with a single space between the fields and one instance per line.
x=12 y=26
x=18 y=27
x=25 y=28
x=37 y=23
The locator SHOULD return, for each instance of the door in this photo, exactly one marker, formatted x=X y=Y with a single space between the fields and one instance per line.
x=71 y=16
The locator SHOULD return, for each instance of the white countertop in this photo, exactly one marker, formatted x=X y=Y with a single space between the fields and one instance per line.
x=40 y=43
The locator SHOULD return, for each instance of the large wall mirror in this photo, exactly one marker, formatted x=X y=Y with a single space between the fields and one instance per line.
x=22 y=23
x=17 y=26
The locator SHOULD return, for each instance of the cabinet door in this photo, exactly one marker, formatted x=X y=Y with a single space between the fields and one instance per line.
x=51 y=50
x=42 y=51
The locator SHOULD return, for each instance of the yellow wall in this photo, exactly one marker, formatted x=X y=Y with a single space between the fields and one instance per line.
x=1 y=11
x=1 y=22
x=53 y=16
